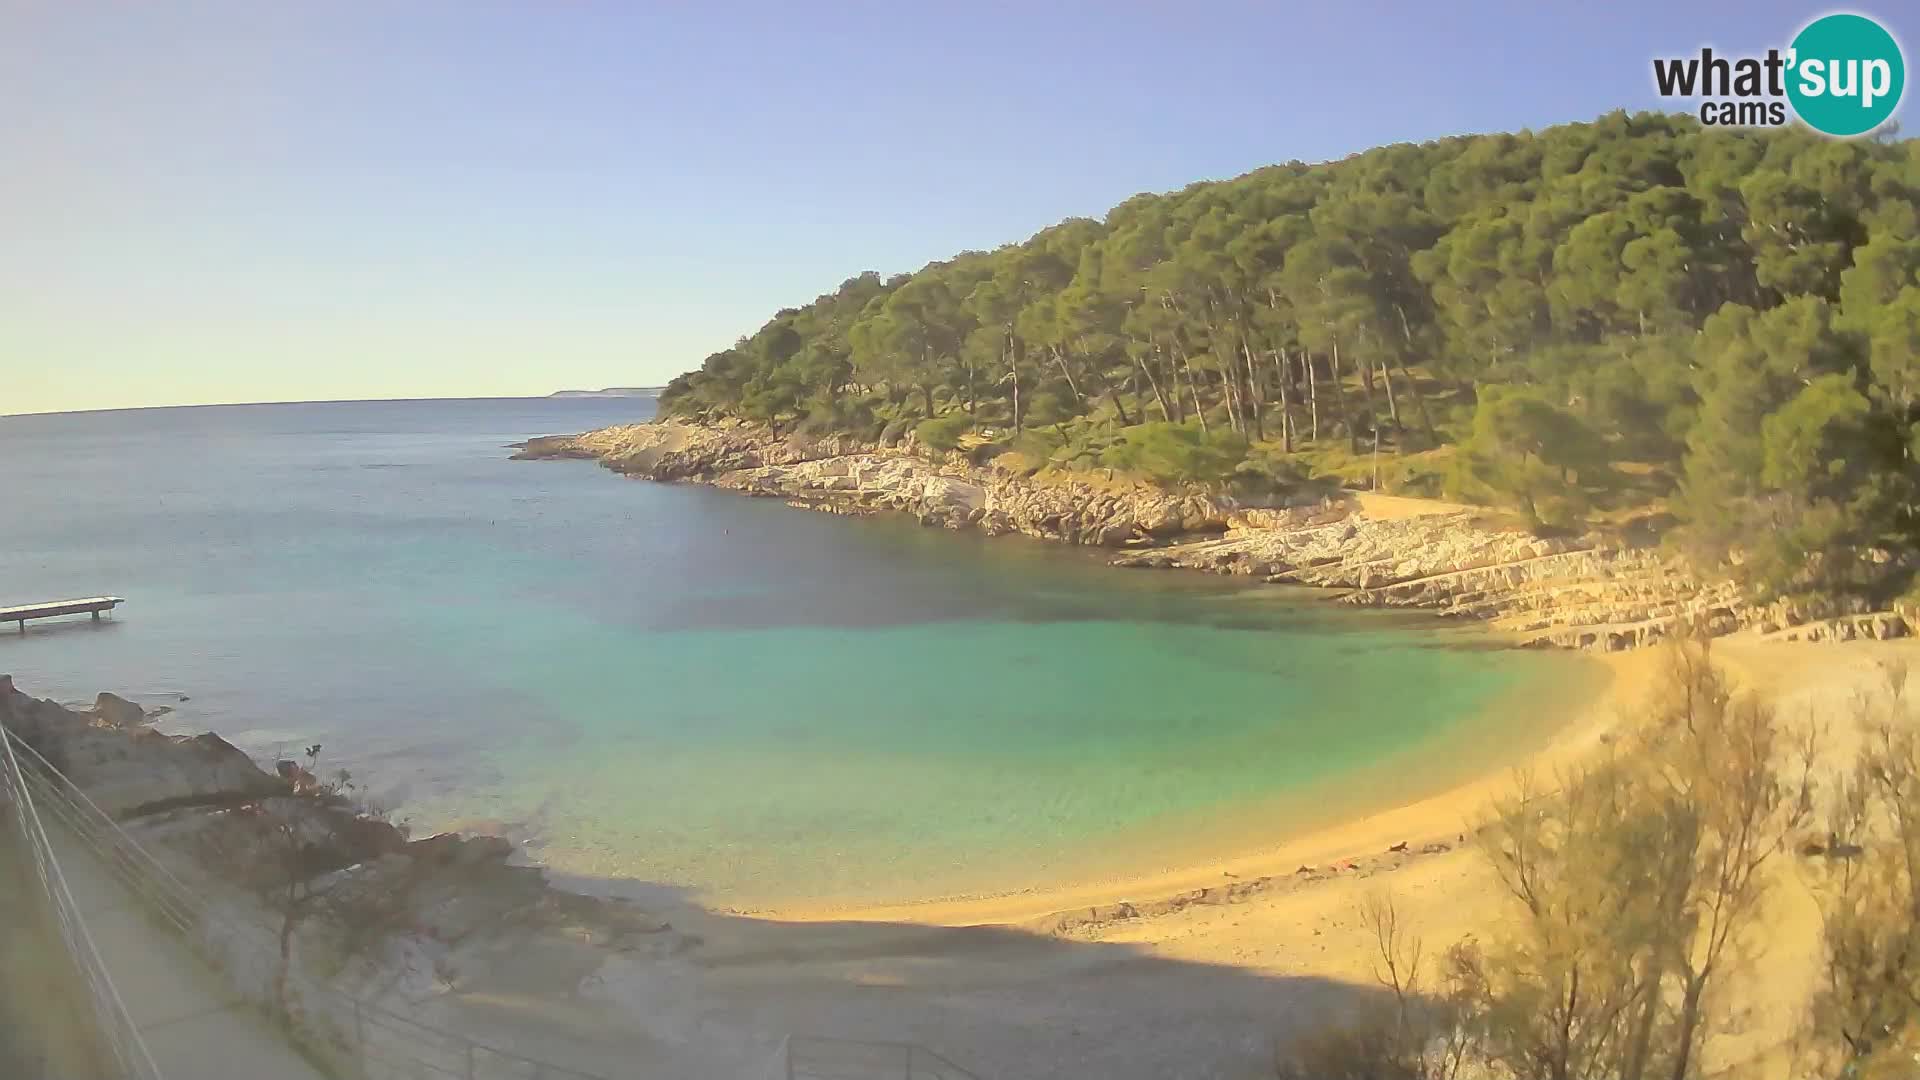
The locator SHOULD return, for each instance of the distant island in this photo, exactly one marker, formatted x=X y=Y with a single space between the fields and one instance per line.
x=611 y=391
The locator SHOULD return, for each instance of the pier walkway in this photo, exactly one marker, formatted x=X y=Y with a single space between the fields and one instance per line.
x=51 y=609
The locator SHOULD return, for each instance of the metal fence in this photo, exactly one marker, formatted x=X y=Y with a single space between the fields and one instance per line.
x=345 y=1035
x=810 y=1058
x=121 y=1040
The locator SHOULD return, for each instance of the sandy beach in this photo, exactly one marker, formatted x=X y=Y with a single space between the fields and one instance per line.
x=1197 y=973
x=1244 y=951
x=1201 y=969
x=1304 y=930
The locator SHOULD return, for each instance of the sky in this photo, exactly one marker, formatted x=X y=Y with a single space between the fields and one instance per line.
x=224 y=202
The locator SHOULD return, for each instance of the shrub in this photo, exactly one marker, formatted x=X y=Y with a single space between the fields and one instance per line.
x=1176 y=453
x=943 y=432
x=1530 y=454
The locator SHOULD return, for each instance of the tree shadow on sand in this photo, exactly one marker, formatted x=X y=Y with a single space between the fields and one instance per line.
x=1001 y=1001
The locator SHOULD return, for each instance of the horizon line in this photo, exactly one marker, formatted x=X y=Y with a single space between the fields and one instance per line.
x=557 y=395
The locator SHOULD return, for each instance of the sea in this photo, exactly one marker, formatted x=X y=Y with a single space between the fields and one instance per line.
x=667 y=687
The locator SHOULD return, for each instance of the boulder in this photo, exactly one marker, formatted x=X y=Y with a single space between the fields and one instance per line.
x=452 y=849
x=133 y=769
x=946 y=493
x=113 y=710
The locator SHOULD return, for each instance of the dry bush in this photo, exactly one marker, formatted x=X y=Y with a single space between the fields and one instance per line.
x=300 y=853
x=1636 y=890
x=1413 y=1036
x=1865 y=1019
x=1640 y=885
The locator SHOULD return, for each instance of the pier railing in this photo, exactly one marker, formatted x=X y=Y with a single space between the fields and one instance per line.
x=119 y=1037
x=810 y=1058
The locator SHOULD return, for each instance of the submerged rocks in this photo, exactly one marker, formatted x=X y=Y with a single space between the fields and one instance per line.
x=453 y=849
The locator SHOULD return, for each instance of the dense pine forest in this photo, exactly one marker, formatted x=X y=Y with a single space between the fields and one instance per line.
x=1638 y=322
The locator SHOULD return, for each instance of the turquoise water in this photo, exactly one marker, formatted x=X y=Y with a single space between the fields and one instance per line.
x=686 y=687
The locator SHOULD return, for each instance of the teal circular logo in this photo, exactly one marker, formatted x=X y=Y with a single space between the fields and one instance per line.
x=1846 y=74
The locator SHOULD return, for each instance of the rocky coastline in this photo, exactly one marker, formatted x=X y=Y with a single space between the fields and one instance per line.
x=1593 y=591
x=404 y=921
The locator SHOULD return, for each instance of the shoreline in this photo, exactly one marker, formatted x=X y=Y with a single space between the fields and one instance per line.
x=1428 y=825
x=1219 y=962
x=1384 y=551
x=1599 y=591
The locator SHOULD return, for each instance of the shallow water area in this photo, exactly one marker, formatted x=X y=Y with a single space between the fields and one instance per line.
x=721 y=695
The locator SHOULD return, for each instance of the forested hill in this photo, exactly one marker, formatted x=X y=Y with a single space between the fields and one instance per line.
x=1632 y=319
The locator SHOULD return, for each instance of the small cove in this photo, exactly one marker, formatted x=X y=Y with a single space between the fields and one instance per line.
x=719 y=694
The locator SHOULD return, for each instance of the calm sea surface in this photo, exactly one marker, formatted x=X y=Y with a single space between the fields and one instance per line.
x=690 y=688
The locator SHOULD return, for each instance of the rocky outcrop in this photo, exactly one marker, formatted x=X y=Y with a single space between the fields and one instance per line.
x=550 y=446
x=130 y=770
x=1870 y=626
x=200 y=802
x=375 y=909
x=996 y=502
x=844 y=474
x=116 y=711
x=1587 y=592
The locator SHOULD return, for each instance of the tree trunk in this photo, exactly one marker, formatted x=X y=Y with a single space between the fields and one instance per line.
x=1231 y=393
x=1340 y=401
x=1419 y=399
x=1108 y=386
x=1313 y=396
x=1199 y=408
x=1689 y=1023
x=1013 y=361
x=1366 y=390
x=1286 y=400
x=1640 y=1040
x=1376 y=457
x=1419 y=403
x=1165 y=413
x=1254 y=395
x=1393 y=407
x=1061 y=359
x=1563 y=1052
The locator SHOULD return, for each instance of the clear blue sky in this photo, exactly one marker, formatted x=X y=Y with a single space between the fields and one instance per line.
x=251 y=201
